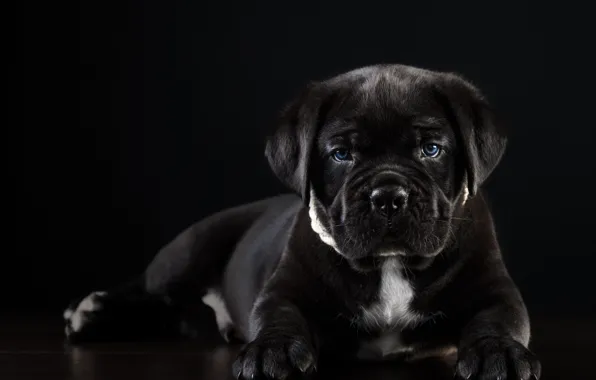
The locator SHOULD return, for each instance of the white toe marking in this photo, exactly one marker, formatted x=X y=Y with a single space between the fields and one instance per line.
x=88 y=304
x=215 y=301
x=67 y=313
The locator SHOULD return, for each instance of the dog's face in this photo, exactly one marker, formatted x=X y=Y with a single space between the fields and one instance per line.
x=384 y=156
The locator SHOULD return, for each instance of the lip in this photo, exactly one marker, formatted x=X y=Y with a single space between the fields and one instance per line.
x=365 y=264
x=392 y=253
x=388 y=246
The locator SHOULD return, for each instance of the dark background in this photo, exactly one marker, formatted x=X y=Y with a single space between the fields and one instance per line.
x=174 y=100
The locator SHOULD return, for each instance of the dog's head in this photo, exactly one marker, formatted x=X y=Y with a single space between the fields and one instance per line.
x=384 y=156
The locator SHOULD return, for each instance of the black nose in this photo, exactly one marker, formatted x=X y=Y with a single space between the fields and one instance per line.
x=389 y=199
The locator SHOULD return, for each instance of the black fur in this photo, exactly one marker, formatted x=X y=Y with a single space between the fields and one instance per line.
x=297 y=301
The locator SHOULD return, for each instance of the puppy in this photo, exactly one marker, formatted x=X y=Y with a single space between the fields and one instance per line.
x=386 y=249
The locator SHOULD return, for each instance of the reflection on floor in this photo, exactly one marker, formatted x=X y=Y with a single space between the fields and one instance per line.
x=32 y=348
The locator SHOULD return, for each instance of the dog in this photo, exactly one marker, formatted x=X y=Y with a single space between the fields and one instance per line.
x=385 y=249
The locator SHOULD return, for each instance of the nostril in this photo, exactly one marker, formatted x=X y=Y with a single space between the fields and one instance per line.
x=379 y=203
x=388 y=199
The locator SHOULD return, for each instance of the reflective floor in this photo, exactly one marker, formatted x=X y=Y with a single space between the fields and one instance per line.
x=32 y=348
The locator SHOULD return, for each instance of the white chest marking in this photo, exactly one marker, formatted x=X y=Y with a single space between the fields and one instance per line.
x=392 y=309
x=389 y=314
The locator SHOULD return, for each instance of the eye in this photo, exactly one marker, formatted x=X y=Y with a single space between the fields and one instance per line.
x=431 y=150
x=341 y=155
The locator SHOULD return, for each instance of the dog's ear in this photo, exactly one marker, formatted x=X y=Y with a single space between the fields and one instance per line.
x=482 y=134
x=289 y=148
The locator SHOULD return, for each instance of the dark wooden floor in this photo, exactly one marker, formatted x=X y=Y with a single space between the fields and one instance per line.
x=33 y=348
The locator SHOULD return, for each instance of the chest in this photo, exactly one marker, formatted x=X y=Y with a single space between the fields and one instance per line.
x=389 y=314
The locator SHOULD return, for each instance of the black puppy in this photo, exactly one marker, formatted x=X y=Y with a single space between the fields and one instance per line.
x=389 y=252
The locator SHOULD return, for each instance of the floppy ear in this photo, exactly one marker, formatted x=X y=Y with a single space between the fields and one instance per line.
x=289 y=148
x=483 y=136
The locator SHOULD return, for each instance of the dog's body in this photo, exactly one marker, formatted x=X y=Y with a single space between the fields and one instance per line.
x=389 y=252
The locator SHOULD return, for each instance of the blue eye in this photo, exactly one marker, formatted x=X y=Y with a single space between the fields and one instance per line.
x=431 y=150
x=341 y=155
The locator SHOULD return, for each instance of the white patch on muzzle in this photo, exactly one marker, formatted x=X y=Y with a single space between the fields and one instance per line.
x=317 y=226
x=465 y=195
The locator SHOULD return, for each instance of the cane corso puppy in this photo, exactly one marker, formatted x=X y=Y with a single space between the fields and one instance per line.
x=385 y=250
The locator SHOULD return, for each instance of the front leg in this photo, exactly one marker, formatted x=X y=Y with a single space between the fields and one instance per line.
x=494 y=342
x=283 y=342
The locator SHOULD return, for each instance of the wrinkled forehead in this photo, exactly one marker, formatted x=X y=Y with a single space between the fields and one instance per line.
x=387 y=100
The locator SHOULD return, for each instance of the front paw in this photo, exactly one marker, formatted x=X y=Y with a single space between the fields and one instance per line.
x=497 y=359
x=274 y=358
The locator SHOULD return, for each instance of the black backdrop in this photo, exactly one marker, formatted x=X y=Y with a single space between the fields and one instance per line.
x=175 y=98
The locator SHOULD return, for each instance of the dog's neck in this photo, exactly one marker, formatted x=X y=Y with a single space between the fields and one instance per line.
x=317 y=225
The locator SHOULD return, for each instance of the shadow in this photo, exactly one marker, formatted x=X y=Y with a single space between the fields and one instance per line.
x=435 y=368
x=33 y=347
x=158 y=362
